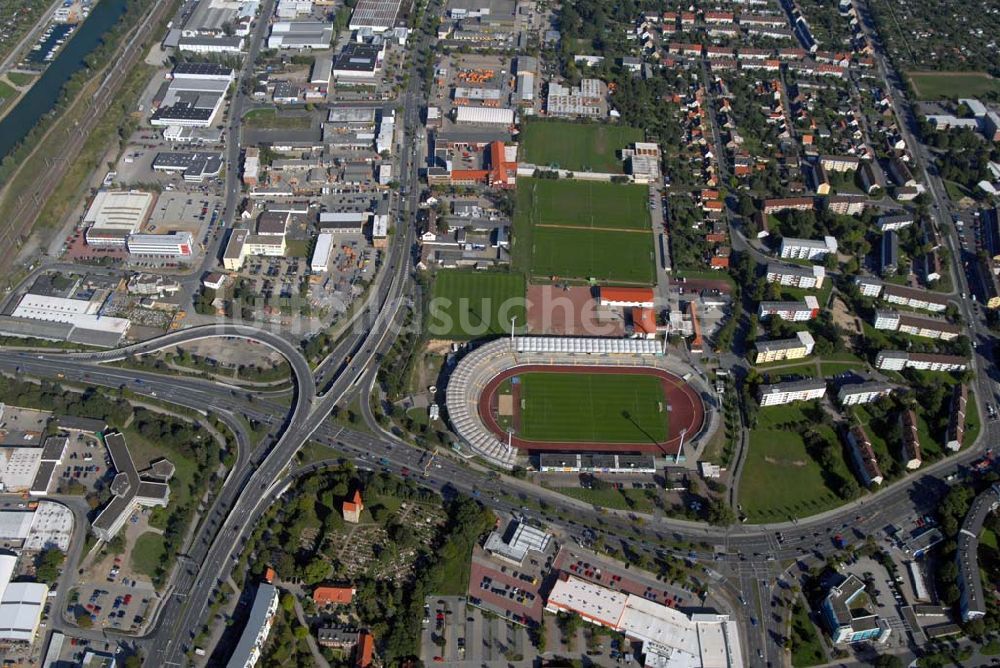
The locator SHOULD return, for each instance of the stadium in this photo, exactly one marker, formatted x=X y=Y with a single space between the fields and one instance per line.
x=528 y=395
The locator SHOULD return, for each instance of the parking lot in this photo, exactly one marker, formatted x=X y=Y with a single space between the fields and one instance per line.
x=588 y=566
x=471 y=637
x=85 y=461
x=511 y=592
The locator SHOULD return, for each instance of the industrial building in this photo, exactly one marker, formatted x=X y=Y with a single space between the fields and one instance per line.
x=191 y=98
x=847 y=617
x=586 y=100
x=378 y=16
x=320 y=260
x=668 y=636
x=484 y=116
x=784 y=349
x=359 y=63
x=785 y=393
x=21 y=604
x=113 y=215
x=131 y=487
x=196 y=167
x=258 y=626
x=79 y=313
x=175 y=244
x=300 y=35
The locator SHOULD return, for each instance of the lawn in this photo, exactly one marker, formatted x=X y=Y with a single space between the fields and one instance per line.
x=780 y=479
x=564 y=203
x=988 y=538
x=590 y=407
x=269 y=118
x=467 y=304
x=616 y=499
x=576 y=146
x=298 y=248
x=615 y=257
x=806 y=647
x=937 y=85
x=583 y=230
x=147 y=553
x=7 y=93
x=20 y=78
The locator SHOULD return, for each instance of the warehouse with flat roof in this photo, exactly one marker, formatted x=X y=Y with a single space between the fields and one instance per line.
x=113 y=215
x=375 y=15
x=669 y=637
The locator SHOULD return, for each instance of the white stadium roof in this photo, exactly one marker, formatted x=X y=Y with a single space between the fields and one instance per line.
x=591 y=346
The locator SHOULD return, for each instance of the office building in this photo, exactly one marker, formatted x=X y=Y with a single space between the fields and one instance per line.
x=848 y=614
x=175 y=244
x=131 y=488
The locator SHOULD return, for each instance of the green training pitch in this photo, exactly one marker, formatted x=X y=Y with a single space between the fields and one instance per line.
x=592 y=408
x=938 y=85
x=467 y=304
x=579 y=229
x=586 y=204
x=578 y=147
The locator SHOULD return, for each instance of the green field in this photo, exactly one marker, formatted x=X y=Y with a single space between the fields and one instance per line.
x=616 y=499
x=583 y=230
x=270 y=119
x=587 y=204
x=807 y=649
x=20 y=78
x=938 y=85
x=147 y=553
x=576 y=146
x=780 y=479
x=7 y=94
x=591 y=407
x=467 y=304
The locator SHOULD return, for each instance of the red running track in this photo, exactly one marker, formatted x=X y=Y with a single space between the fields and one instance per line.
x=687 y=413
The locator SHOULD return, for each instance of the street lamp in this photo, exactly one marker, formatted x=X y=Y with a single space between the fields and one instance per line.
x=680 y=446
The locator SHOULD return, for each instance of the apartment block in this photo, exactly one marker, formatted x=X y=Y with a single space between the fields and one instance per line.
x=956 y=425
x=910 y=446
x=807 y=249
x=914 y=298
x=785 y=393
x=857 y=394
x=807 y=309
x=897 y=360
x=796 y=276
x=784 y=349
x=869 y=472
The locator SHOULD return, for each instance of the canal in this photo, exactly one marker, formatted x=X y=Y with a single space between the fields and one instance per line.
x=40 y=99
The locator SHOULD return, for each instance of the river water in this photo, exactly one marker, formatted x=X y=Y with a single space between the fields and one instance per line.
x=40 y=99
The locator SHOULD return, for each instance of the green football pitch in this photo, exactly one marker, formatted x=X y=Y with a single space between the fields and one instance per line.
x=589 y=147
x=580 y=229
x=592 y=408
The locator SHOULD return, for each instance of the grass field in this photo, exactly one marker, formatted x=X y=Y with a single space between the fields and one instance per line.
x=269 y=118
x=467 y=304
x=807 y=650
x=7 y=94
x=20 y=78
x=586 y=204
x=780 y=479
x=577 y=229
x=576 y=146
x=616 y=499
x=596 y=408
x=937 y=85
x=147 y=553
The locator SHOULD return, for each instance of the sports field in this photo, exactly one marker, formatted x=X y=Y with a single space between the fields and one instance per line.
x=591 y=407
x=938 y=85
x=580 y=229
x=467 y=304
x=578 y=147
